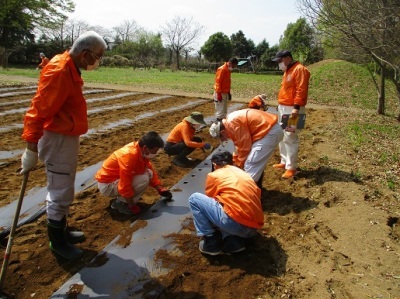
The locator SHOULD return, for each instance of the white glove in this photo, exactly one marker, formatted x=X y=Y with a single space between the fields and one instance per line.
x=29 y=161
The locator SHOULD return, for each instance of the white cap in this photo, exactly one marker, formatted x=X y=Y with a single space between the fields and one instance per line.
x=215 y=129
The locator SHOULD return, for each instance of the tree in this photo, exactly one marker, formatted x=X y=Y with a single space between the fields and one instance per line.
x=298 y=38
x=217 y=48
x=148 y=49
x=261 y=48
x=242 y=47
x=128 y=30
x=18 y=19
x=363 y=29
x=181 y=33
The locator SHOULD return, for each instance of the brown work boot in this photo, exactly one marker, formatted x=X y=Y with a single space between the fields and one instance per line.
x=289 y=173
x=279 y=166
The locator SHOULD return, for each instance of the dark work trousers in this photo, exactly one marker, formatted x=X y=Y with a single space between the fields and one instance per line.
x=180 y=149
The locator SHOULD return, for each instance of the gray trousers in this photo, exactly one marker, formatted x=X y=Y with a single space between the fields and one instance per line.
x=59 y=153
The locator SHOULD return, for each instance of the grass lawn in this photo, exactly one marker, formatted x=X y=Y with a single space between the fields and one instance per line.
x=333 y=82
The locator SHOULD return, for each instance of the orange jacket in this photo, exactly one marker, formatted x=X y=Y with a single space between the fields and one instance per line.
x=184 y=132
x=238 y=193
x=45 y=61
x=256 y=103
x=58 y=105
x=223 y=79
x=246 y=126
x=294 y=86
x=124 y=164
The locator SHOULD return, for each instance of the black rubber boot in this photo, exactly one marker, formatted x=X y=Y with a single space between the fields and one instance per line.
x=74 y=237
x=260 y=181
x=58 y=240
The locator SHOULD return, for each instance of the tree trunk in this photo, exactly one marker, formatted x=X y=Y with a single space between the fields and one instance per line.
x=397 y=84
x=3 y=57
x=381 y=99
x=177 y=59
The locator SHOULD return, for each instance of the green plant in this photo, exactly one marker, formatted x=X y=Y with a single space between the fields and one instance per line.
x=391 y=184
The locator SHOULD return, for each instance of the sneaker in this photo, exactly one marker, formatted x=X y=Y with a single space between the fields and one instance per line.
x=123 y=208
x=182 y=163
x=211 y=245
x=279 y=166
x=233 y=244
x=289 y=173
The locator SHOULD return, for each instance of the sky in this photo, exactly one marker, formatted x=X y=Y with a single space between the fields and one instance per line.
x=258 y=19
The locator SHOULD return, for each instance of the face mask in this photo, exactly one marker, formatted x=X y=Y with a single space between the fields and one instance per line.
x=91 y=67
x=196 y=127
x=282 y=66
x=150 y=156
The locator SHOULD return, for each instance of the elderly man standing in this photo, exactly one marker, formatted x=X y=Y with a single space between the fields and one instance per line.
x=222 y=88
x=52 y=126
x=292 y=99
x=255 y=134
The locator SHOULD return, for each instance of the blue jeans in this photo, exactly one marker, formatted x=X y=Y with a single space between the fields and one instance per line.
x=209 y=213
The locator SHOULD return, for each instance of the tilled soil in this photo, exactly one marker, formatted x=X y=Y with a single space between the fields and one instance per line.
x=328 y=233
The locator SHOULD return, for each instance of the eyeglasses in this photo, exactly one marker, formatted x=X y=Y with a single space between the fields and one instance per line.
x=95 y=56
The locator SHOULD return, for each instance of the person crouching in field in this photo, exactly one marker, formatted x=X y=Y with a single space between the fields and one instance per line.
x=259 y=102
x=182 y=140
x=127 y=173
x=230 y=209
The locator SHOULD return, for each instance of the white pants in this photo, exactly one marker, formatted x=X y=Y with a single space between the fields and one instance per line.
x=59 y=153
x=289 y=146
x=261 y=151
x=140 y=184
x=221 y=108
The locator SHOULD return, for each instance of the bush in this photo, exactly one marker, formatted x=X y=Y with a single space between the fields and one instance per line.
x=116 y=61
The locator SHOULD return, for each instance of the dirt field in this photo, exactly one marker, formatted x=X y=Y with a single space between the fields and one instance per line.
x=331 y=232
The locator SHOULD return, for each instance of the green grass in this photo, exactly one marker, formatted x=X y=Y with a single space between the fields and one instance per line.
x=243 y=85
x=337 y=83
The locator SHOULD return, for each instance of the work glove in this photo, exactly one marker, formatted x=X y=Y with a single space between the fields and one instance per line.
x=135 y=209
x=207 y=148
x=229 y=96
x=219 y=97
x=29 y=161
x=164 y=192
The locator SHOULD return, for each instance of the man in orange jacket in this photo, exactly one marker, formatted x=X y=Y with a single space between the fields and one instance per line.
x=222 y=87
x=230 y=209
x=255 y=134
x=44 y=61
x=52 y=126
x=182 y=140
x=127 y=173
x=292 y=99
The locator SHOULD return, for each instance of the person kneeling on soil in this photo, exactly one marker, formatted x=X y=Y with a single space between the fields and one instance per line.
x=182 y=140
x=127 y=173
x=230 y=209
x=258 y=102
